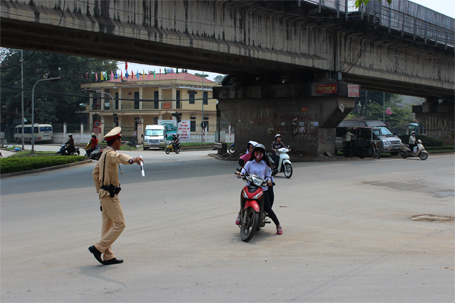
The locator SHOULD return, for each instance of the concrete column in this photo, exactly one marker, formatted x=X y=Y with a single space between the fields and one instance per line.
x=306 y=120
x=140 y=96
x=102 y=96
x=174 y=96
x=120 y=98
x=160 y=96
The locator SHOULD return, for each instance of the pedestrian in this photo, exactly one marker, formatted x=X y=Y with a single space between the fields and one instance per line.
x=105 y=176
x=412 y=141
x=347 y=144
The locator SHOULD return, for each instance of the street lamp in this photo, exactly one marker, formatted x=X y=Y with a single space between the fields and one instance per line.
x=33 y=108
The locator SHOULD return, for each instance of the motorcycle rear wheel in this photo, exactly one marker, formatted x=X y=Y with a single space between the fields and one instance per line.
x=248 y=228
x=423 y=156
x=167 y=150
x=287 y=170
x=403 y=155
x=231 y=149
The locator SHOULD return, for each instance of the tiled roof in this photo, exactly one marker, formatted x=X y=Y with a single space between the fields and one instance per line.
x=158 y=77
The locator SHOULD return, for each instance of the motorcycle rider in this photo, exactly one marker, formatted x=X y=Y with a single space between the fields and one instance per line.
x=175 y=142
x=259 y=165
x=412 y=141
x=277 y=144
x=69 y=148
x=93 y=144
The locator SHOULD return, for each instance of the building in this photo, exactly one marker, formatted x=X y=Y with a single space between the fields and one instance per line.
x=149 y=98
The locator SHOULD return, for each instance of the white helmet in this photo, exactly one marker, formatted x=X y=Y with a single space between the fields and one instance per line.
x=254 y=143
x=419 y=141
x=277 y=135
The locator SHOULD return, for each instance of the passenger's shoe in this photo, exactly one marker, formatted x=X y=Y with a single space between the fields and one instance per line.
x=113 y=261
x=96 y=253
x=279 y=230
x=238 y=221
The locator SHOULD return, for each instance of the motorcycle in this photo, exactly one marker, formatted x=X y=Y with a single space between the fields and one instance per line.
x=253 y=216
x=95 y=154
x=64 y=151
x=405 y=151
x=284 y=164
x=232 y=148
x=170 y=148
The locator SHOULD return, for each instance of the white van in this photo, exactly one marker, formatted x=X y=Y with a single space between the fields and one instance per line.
x=154 y=136
x=389 y=143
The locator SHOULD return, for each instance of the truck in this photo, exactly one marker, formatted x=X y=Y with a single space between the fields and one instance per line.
x=388 y=142
x=154 y=136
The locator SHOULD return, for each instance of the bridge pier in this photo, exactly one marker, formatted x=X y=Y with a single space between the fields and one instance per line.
x=438 y=119
x=305 y=114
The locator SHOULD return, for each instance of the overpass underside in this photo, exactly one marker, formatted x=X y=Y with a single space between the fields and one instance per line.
x=266 y=43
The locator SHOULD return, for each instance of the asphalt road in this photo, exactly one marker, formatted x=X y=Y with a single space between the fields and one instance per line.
x=347 y=234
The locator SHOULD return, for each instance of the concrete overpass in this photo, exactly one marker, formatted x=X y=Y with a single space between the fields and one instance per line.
x=279 y=54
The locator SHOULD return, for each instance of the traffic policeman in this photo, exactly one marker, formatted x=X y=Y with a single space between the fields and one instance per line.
x=105 y=176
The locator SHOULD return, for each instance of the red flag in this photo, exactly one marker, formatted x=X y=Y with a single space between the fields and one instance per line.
x=96 y=76
x=112 y=75
x=126 y=65
x=121 y=75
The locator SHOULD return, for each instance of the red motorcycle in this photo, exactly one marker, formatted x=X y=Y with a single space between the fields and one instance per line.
x=253 y=216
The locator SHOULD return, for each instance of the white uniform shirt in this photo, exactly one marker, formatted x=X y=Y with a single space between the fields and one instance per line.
x=412 y=140
x=348 y=136
x=259 y=169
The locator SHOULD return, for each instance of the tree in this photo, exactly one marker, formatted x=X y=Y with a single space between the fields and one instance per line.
x=358 y=3
x=219 y=79
x=54 y=101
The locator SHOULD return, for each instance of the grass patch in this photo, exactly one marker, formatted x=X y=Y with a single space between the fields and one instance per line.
x=28 y=153
x=17 y=164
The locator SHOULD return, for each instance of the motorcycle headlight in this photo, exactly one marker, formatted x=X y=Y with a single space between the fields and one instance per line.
x=258 y=196
x=385 y=142
x=244 y=194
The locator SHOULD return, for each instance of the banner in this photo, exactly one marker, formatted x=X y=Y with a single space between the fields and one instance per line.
x=184 y=130
x=170 y=126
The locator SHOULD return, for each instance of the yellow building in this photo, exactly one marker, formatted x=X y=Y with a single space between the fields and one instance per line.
x=149 y=99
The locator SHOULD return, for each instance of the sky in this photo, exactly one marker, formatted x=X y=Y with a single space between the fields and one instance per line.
x=446 y=7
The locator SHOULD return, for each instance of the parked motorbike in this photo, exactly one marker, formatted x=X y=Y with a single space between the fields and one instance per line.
x=232 y=148
x=64 y=151
x=170 y=148
x=405 y=151
x=253 y=214
x=368 y=148
x=284 y=165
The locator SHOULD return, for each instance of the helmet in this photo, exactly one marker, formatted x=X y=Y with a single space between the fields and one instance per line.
x=413 y=132
x=419 y=141
x=70 y=135
x=277 y=135
x=93 y=135
x=259 y=147
x=254 y=143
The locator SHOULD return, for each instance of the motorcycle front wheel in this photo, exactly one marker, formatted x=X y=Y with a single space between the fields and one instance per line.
x=167 y=151
x=58 y=153
x=177 y=150
x=423 y=156
x=251 y=224
x=287 y=170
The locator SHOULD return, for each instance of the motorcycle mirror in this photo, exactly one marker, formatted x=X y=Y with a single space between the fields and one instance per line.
x=241 y=162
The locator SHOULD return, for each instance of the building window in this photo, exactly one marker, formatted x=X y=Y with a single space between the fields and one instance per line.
x=205 y=98
x=177 y=99
x=95 y=105
x=116 y=100
x=156 y=97
x=193 y=124
x=191 y=96
x=155 y=120
x=136 y=100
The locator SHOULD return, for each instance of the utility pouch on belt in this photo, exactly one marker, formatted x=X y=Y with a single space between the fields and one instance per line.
x=113 y=190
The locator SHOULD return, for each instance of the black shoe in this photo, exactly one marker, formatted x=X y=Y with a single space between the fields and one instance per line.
x=96 y=253
x=113 y=261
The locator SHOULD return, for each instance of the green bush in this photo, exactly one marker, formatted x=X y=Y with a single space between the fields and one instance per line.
x=11 y=165
x=426 y=141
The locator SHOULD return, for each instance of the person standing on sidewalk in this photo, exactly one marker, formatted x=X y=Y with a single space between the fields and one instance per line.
x=347 y=144
x=105 y=176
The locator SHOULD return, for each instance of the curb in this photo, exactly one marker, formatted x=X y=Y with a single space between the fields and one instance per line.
x=39 y=170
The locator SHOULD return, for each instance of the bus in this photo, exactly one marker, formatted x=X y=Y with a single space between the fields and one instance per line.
x=43 y=133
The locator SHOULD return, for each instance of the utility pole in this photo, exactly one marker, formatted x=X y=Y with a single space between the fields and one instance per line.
x=22 y=97
x=202 y=117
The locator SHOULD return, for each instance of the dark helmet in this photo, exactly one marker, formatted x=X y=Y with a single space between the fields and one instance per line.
x=259 y=147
